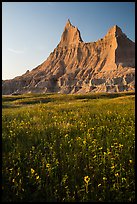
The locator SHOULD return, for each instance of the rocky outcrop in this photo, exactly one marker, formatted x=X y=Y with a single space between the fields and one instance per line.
x=74 y=66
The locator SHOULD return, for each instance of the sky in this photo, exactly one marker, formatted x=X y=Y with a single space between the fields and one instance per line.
x=32 y=30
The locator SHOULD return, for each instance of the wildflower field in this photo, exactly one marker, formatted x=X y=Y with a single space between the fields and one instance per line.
x=64 y=148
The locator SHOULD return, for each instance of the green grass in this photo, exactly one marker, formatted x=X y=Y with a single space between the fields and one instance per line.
x=73 y=148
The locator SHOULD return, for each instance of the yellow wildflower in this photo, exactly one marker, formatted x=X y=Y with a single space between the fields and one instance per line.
x=47 y=165
x=116 y=174
x=123 y=179
x=104 y=178
x=120 y=145
x=130 y=161
x=84 y=142
x=94 y=157
x=32 y=171
x=100 y=148
x=37 y=177
x=86 y=179
x=112 y=167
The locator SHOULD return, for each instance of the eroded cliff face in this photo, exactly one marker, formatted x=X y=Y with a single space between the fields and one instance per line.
x=107 y=65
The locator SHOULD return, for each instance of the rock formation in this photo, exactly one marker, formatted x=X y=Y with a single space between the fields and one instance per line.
x=74 y=66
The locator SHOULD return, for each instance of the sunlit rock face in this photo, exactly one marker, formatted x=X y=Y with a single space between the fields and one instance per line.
x=74 y=66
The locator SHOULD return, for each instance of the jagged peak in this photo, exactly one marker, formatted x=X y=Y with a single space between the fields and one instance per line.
x=68 y=23
x=71 y=35
x=115 y=31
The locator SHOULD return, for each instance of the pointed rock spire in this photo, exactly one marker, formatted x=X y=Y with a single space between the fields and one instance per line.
x=68 y=23
x=115 y=31
x=71 y=35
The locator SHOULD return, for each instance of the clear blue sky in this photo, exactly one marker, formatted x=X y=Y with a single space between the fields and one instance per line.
x=31 y=30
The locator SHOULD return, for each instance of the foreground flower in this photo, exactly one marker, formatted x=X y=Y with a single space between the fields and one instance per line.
x=116 y=174
x=37 y=177
x=104 y=178
x=47 y=165
x=32 y=171
x=112 y=167
x=86 y=179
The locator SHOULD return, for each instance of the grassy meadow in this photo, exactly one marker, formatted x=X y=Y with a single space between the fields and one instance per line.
x=60 y=148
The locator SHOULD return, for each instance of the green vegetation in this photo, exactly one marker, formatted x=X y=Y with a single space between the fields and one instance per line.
x=68 y=147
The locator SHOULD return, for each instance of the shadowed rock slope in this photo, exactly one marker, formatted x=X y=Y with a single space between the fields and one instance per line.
x=74 y=66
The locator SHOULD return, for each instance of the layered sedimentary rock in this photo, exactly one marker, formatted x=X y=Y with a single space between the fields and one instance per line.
x=74 y=66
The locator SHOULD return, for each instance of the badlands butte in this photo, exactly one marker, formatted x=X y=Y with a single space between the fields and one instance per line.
x=74 y=66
